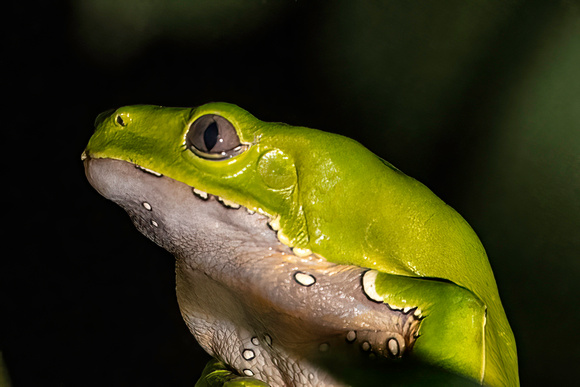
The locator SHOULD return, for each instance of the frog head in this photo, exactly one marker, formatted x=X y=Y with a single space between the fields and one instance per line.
x=306 y=181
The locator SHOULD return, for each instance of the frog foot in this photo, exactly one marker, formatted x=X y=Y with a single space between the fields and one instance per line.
x=390 y=344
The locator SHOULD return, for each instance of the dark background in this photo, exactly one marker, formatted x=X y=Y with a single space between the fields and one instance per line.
x=479 y=100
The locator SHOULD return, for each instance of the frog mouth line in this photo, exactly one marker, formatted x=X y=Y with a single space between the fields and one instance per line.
x=147 y=170
x=199 y=193
x=273 y=223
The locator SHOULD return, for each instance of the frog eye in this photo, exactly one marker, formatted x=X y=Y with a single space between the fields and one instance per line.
x=213 y=137
x=120 y=121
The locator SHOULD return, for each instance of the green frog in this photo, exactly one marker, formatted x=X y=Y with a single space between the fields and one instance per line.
x=301 y=256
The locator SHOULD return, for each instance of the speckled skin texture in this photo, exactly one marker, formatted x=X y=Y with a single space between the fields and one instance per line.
x=247 y=299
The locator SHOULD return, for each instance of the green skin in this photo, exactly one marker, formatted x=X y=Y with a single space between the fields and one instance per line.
x=328 y=195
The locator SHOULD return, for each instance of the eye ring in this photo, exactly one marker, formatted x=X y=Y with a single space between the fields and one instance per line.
x=213 y=137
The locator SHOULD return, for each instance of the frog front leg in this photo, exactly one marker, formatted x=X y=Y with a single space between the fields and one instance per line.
x=394 y=317
x=452 y=331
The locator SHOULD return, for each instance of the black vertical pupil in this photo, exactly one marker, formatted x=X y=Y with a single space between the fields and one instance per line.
x=210 y=136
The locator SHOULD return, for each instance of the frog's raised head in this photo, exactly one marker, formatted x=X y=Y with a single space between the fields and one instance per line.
x=287 y=173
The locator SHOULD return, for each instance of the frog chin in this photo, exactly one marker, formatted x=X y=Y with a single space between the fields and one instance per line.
x=174 y=214
x=250 y=300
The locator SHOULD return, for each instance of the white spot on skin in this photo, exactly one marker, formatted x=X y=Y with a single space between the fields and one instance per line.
x=406 y=309
x=154 y=223
x=368 y=282
x=248 y=372
x=299 y=252
x=147 y=206
x=283 y=238
x=275 y=223
x=393 y=346
x=228 y=203
x=268 y=339
x=351 y=336
x=417 y=312
x=366 y=346
x=248 y=354
x=148 y=171
x=323 y=347
x=255 y=341
x=304 y=279
x=200 y=193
